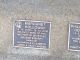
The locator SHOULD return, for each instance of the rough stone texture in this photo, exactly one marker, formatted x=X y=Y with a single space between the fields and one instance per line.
x=59 y=12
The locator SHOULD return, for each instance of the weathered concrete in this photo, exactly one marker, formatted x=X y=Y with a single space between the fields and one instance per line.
x=59 y=12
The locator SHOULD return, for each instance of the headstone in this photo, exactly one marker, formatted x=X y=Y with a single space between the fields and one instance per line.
x=31 y=34
x=74 y=37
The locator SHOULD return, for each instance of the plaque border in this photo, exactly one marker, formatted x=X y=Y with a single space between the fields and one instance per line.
x=32 y=21
x=69 y=35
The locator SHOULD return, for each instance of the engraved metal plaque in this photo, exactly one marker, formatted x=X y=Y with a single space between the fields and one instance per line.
x=74 y=37
x=34 y=34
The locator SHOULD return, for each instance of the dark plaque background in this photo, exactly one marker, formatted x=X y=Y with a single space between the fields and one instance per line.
x=31 y=34
x=74 y=36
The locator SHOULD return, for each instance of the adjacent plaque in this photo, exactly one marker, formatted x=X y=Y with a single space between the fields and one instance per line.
x=74 y=37
x=32 y=34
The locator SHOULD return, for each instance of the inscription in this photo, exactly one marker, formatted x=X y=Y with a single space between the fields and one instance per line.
x=31 y=34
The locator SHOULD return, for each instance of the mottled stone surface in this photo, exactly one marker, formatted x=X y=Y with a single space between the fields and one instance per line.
x=59 y=12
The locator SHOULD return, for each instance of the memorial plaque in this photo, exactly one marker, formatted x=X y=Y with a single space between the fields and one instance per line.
x=34 y=34
x=74 y=37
